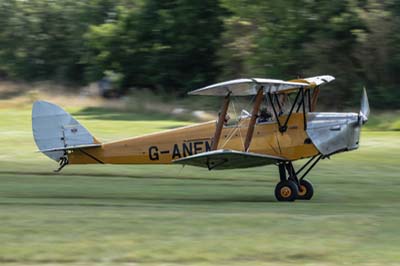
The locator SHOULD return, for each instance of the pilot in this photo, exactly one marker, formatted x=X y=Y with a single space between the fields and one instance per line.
x=226 y=119
x=264 y=116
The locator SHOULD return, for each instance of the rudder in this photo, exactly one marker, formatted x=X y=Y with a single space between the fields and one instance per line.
x=55 y=131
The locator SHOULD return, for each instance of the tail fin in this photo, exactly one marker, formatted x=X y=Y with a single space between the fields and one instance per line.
x=55 y=131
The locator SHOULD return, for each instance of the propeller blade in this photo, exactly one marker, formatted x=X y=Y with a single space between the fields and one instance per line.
x=364 y=112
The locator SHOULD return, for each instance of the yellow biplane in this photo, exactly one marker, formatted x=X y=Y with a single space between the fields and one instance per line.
x=281 y=128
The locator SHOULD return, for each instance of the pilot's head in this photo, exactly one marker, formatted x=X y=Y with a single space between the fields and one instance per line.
x=264 y=113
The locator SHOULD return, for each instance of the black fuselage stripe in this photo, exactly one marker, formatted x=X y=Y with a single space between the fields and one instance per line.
x=91 y=156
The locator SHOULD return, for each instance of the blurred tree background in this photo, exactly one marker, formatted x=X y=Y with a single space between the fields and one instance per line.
x=179 y=45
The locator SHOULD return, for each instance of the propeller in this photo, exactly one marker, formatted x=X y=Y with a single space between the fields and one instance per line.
x=364 y=112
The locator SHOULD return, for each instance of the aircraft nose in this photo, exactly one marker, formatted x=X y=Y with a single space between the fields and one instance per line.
x=334 y=132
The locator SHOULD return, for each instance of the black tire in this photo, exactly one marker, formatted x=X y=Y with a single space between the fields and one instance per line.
x=286 y=191
x=306 y=190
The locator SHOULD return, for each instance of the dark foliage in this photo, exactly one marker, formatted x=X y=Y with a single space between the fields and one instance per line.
x=178 y=45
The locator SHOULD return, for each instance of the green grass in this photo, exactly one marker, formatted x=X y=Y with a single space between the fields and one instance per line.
x=166 y=215
x=388 y=120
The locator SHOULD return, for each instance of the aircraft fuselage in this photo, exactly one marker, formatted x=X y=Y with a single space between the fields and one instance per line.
x=167 y=146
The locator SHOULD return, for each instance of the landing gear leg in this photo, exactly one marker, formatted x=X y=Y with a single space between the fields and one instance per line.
x=291 y=187
x=305 y=187
x=286 y=189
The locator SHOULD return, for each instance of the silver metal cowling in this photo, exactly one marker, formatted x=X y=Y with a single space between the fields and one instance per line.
x=333 y=132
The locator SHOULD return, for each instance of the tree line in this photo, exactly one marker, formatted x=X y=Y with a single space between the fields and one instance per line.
x=178 y=45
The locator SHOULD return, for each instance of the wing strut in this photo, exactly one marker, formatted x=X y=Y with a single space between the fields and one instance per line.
x=283 y=128
x=314 y=99
x=250 y=130
x=220 y=123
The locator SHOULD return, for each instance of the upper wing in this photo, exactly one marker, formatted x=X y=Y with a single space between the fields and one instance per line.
x=243 y=87
x=315 y=81
x=228 y=159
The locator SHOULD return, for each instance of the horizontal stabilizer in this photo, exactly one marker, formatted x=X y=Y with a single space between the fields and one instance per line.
x=228 y=159
x=68 y=148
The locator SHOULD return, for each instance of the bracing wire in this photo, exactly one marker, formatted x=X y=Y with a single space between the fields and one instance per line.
x=238 y=125
x=232 y=131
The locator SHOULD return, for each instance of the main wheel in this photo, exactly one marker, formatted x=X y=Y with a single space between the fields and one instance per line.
x=286 y=191
x=306 y=190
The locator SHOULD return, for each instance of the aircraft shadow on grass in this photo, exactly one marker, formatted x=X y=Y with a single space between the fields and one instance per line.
x=131 y=200
x=139 y=201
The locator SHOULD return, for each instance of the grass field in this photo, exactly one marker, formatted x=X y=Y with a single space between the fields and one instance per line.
x=138 y=215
